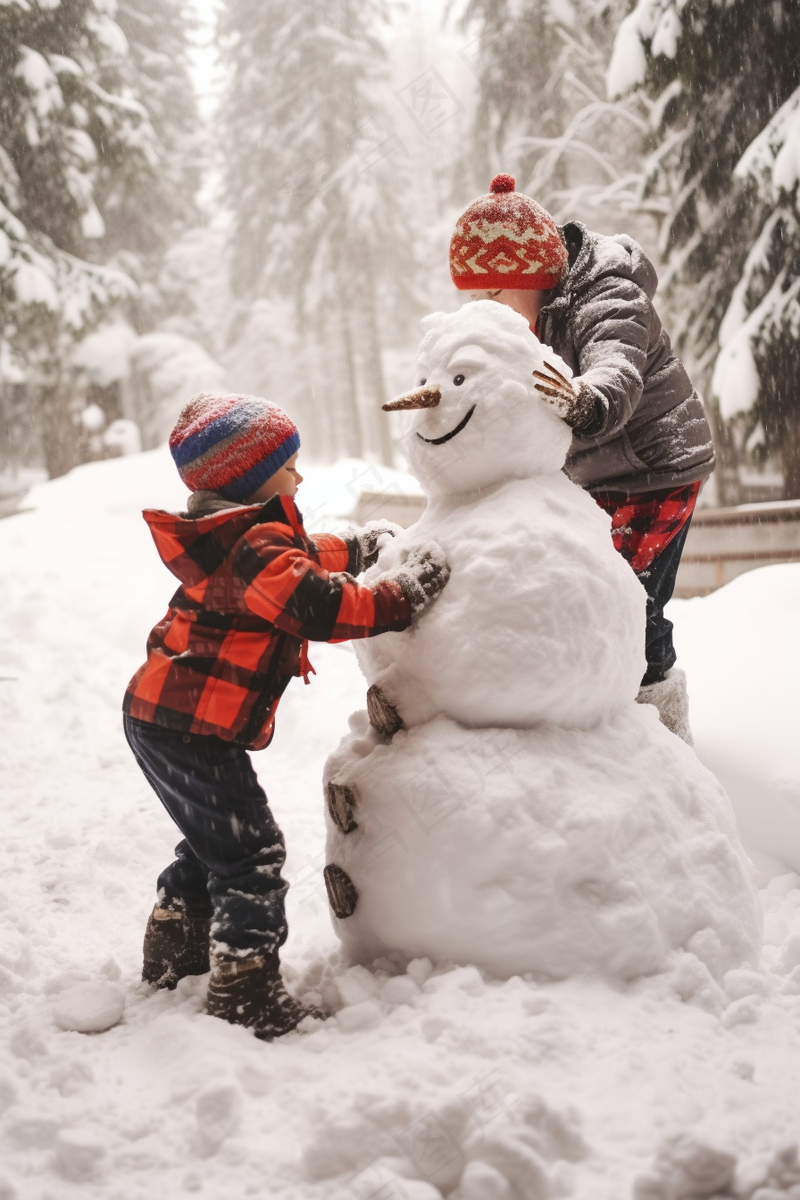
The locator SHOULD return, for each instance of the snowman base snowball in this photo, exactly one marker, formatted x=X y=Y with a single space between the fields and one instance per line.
x=547 y=851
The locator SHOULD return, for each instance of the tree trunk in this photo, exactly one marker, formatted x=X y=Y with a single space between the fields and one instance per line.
x=726 y=474
x=316 y=440
x=790 y=456
x=354 y=440
x=375 y=380
x=61 y=434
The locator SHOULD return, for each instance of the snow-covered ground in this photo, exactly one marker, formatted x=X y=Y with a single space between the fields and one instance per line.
x=426 y=1083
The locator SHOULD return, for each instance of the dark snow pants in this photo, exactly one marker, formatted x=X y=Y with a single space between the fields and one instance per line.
x=658 y=581
x=649 y=531
x=229 y=864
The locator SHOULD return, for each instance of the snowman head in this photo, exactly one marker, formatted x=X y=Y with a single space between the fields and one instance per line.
x=476 y=419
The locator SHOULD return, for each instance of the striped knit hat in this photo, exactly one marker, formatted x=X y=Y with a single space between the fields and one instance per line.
x=506 y=240
x=231 y=444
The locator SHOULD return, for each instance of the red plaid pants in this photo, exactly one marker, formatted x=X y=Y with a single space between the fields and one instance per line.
x=642 y=526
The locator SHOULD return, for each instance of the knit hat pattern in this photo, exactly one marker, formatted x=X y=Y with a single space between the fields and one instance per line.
x=506 y=240
x=231 y=444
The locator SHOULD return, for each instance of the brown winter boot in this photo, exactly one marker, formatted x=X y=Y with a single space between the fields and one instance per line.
x=175 y=945
x=250 y=992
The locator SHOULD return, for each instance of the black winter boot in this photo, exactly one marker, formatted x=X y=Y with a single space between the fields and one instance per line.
x=250 y=992
x=175 y=945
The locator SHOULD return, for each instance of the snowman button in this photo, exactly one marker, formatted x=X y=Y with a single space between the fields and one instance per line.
x=341 y=802
x=383 y=716
x=342 y=893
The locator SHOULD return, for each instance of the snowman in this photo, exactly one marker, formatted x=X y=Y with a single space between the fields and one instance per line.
x=503 y=800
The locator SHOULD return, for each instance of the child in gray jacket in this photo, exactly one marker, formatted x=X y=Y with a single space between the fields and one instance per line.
x=642 y=444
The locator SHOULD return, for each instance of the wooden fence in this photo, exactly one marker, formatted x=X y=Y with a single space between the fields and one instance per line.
x=722 y=542
x=726 y=542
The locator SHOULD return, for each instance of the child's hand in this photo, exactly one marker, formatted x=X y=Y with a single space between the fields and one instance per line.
x=423 y=574
x=369 y=540
x=572 y=402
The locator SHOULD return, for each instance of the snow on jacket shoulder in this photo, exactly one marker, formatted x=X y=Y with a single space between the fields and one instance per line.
x=651 y=431
x=254 y=588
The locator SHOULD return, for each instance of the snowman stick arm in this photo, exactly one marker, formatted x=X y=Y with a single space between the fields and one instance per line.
x=551 y=391
x=547 y=375
x=572 y=402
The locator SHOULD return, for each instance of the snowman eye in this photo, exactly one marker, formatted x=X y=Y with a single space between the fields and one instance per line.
x=458 y=380
x=422 y=381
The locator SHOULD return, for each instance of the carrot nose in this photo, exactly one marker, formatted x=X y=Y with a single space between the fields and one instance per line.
x=421 y=397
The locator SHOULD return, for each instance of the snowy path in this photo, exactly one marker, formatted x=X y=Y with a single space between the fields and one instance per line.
x=423 y=1085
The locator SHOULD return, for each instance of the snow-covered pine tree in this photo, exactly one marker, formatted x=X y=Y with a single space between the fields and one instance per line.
x=150 y=206
x=148 y=201
x=757 y=374
x=724 y=76
x=313 y=178
x=518 y=55
x=542 y=112
x=66 y=110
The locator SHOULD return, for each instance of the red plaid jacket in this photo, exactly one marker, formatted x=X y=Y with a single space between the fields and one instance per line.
x=254 y=588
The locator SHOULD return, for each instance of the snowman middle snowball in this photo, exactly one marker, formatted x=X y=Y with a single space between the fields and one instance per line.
x=540 y=620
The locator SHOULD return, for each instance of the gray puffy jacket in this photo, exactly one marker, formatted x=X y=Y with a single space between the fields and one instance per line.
x=650 y=431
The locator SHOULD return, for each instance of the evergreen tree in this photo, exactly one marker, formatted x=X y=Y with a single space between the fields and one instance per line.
x=149 y=201
x=314 y=186
x=542 y=112
x=757 y=373
x=719 y=72
x=66 y=112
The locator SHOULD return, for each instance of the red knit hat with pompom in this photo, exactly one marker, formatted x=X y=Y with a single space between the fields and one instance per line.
x=506 y=240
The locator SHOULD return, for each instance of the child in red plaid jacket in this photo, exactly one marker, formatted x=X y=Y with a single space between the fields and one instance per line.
x=254 y=588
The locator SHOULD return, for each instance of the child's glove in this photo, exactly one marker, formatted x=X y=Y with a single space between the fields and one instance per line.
x=572 y=401
x=423 y=574
x=367 y=542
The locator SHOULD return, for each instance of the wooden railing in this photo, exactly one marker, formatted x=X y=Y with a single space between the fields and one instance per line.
x=725 y=542
x=722 y=542
x=391 y=505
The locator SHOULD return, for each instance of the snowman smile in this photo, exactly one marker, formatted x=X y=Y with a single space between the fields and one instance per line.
x=446 y=436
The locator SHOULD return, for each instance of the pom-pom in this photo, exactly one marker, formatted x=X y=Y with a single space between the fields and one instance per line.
x=503 y=183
